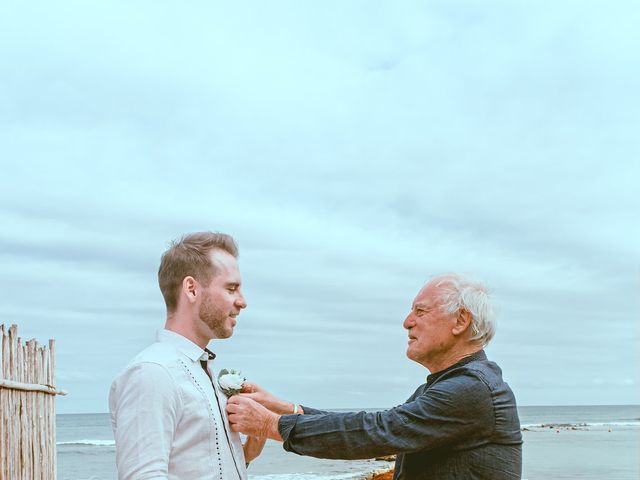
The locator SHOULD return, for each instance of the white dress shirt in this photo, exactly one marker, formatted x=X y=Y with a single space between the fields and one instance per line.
x=169 y=420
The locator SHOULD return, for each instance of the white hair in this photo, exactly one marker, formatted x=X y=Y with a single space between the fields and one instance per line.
x=457 y=293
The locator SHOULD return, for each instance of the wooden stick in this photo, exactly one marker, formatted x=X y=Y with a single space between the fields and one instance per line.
x=4 y=404
x=31 y=387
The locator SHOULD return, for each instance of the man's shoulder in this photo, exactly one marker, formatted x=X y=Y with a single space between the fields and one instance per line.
x=158 y=352
x=464 y=378
x=461 y=389
x=149 y=378
x=487 y=371
x=481 y=376
x=156 y=357
x=154 y=366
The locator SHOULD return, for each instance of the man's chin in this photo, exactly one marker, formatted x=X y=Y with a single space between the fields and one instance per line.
x=409 y=354
x=224 y=334
x=220 y=333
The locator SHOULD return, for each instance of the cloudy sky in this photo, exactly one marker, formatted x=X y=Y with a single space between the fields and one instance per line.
x=354 y=149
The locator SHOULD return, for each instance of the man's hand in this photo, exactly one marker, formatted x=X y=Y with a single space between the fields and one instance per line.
x=266 y=399
x=251 y=418
x=253 y=447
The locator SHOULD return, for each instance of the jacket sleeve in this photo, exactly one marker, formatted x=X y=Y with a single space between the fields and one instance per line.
x=448 y=411
x=313 y=411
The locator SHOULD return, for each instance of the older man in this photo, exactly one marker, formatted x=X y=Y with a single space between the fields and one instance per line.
x=462 y=423
x=167 y=414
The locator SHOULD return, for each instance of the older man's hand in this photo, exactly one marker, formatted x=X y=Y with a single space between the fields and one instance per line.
x=267 y=399
x=249 y=417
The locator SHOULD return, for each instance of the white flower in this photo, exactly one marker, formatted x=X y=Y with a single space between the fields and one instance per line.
x=230 y=381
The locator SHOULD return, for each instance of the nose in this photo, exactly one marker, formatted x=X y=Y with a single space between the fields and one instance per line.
x=409 y=321
x=240 y=301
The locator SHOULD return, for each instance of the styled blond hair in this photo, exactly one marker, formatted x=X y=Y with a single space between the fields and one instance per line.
x=190 y=256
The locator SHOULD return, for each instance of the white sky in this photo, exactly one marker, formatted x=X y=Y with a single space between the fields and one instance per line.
x=354 y=149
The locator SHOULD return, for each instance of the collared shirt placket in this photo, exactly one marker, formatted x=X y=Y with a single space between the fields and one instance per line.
x=204 y=363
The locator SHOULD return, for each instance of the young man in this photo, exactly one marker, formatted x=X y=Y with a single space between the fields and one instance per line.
x=168 y=415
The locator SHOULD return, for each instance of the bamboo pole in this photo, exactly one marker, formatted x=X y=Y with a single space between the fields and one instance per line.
x=3 y=408
x=51 y=412
x=4 y=397
x=27 y=408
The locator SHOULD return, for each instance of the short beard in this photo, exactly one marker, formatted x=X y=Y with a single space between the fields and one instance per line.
x=214 y=318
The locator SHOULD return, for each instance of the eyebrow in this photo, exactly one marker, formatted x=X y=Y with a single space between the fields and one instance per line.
x=423 y=305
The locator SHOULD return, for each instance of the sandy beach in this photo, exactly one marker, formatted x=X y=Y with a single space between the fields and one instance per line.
x=382 y=475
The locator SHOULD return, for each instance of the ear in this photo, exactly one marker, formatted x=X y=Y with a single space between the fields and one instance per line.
x=190 y=289
x=463 y=322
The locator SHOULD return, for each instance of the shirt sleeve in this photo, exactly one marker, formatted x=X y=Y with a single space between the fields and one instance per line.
x=145 y=406
x=448 y=411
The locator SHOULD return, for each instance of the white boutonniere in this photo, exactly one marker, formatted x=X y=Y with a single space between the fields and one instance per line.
x=230 y=381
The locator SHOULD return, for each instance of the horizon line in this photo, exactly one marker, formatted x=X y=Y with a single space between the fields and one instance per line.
x=387 y=408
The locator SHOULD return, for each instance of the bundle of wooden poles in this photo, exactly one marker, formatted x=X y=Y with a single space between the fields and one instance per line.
x=27 y=408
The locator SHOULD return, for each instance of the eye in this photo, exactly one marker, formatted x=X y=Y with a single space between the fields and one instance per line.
x=232 y=289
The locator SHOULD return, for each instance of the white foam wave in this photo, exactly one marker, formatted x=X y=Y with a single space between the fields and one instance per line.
x=581 y=425
x=97 y=443
x=615 y=424
x=307 y=476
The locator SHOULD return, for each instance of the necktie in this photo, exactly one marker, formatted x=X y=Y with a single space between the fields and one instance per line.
x=203 y=363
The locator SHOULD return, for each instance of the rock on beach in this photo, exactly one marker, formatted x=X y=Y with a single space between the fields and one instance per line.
x=380 y=474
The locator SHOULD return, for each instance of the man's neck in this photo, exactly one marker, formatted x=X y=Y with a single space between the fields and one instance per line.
x=452 y=357
x=182 y=326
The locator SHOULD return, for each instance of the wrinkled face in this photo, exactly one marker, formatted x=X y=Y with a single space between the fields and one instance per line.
x=222 y=300
x=429 y=329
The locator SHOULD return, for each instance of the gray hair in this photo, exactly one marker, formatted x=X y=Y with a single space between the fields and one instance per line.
x=458 y=293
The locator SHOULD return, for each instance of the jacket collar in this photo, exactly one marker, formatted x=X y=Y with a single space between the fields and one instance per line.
x=479 y=355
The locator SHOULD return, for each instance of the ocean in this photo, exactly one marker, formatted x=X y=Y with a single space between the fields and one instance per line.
x=564 y=442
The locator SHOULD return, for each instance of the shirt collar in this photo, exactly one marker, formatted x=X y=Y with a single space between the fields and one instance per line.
x=184 y=345
x=479 y=355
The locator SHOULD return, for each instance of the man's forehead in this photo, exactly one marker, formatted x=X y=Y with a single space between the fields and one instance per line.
x=225 y=264
x=427 y=296
x=222 y=259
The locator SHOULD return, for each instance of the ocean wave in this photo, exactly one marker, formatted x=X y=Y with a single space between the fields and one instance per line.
x=580 y=425
x=618 y=424
x=95 y=443
x=308 y=476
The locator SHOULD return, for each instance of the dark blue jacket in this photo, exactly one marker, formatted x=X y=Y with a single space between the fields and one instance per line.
x=461 y=424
